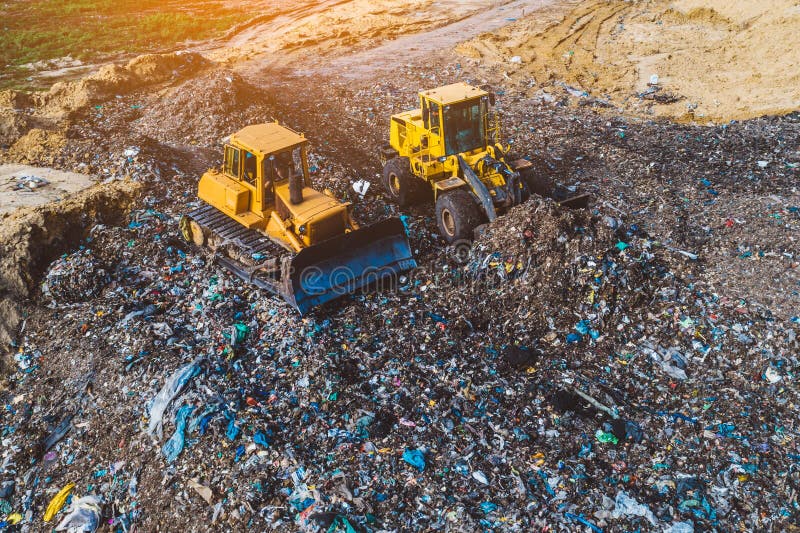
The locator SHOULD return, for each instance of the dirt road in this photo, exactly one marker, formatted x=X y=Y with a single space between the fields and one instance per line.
x=363 y=35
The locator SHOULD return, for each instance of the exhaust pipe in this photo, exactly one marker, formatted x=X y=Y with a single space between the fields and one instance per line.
x=295 y=188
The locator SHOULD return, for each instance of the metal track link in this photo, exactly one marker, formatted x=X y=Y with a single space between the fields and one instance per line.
x=248 y=241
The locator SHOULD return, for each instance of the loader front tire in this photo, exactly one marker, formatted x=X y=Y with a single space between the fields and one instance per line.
x=457 y=215
x=398 y=181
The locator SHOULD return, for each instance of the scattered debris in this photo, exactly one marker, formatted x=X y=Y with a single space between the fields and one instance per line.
x=625 y=367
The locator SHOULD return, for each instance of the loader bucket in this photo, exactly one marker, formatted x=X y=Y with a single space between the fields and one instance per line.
x=344 y=264
x=570 y=200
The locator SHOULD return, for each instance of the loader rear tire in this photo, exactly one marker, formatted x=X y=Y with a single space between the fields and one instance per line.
x=399 y=181
x=457 y=215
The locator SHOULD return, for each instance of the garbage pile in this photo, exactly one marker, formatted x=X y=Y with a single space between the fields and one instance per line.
x=559 y=374
x=203 y=110
x=74 y=277
x=572 y=370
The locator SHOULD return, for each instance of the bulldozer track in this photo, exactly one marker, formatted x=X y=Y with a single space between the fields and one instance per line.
x=228 y=231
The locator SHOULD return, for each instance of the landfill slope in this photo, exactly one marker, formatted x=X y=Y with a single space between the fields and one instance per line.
x=198 y=111
x=631 y=366
x=684 y=59
x=31 y=238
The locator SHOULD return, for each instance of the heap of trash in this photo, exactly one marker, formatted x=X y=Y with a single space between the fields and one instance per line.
x=588 y=370
x=559 y=373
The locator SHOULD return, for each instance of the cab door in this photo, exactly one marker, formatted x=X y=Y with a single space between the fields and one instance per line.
x=432 y=119
x=237 y=197
x=250 y=179
x=268 y=181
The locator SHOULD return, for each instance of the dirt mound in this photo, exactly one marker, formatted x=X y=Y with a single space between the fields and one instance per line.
x=37 y=146
x=203 y=110
x=46 y=112
x=10 y=99
x=698 y=15
x=65 y=98
x=684 y=59
x=12 y=126
x=9 y=320
x=13 y=122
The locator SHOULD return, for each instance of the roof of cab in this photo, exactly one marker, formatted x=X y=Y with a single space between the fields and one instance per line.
x=450 y=94
x=265 y=139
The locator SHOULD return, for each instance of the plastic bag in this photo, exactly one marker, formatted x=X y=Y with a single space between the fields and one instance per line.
x=174 y=446
x=84 y=515
x=171 y=388
x=627 y=506
x=415 y=458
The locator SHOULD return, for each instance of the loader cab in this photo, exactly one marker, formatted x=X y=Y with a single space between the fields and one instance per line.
x=455 y=118
x=465 y=129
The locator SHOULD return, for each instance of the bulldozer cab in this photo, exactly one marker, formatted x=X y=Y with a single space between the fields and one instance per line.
x=263 y=156
x=455 y=118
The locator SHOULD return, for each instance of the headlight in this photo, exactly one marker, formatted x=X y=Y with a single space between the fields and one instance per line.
x=302 y=229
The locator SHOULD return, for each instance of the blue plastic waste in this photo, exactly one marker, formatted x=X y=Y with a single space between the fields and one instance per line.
x=174 y=384
x=174 y=446
x=415 y=458
x=260 y=438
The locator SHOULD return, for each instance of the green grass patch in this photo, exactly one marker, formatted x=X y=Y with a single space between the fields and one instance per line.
x=34 y=30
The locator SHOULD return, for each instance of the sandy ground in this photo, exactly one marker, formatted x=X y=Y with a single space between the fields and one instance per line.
x=466 y=21
x=685 y=59
x=27 y=186
x=316 y=31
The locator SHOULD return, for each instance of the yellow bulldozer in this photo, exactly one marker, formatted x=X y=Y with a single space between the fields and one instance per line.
x=451 y=144
x=267 y=225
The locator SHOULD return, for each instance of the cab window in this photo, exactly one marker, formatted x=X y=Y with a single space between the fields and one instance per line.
x=464 y=127
x=289 y=163
x=434 y=117
x=250 y=166
x=231 y=164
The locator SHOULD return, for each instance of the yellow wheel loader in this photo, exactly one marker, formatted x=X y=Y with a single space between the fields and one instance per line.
x=267 y=225
x=451 y=144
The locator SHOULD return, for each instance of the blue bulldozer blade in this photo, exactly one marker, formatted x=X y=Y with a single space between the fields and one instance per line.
x=370 y=257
